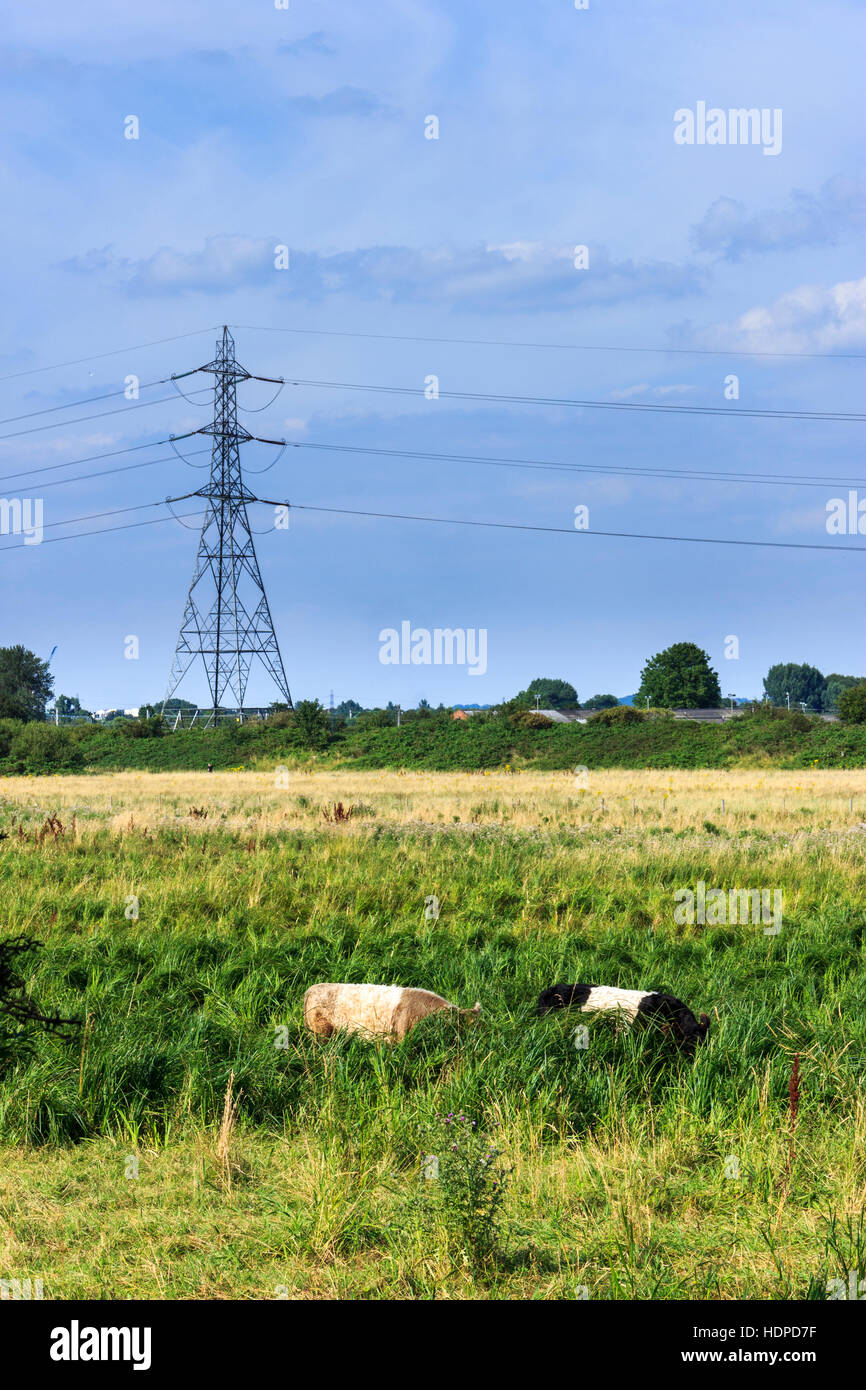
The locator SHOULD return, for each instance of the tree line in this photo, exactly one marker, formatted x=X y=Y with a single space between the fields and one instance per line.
x=680 y=677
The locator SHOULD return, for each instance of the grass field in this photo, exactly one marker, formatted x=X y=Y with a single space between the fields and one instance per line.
x=183 y=915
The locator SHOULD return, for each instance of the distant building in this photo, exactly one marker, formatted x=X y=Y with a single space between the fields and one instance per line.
x=568 y=716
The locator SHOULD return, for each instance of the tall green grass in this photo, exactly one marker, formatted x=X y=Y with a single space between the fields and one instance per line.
x=209 y=980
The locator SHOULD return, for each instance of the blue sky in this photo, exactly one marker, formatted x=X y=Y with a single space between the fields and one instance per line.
x=305 y=127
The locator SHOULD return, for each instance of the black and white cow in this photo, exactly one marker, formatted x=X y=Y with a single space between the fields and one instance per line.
x=632 y=1005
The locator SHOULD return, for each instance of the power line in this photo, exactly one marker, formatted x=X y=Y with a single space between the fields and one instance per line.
x=563 y=530
x=564 y=347
x=443 y=521
x=103 y=530
x=106 y=472
x=843 y=416
x=86 y=400
x=82 y=419
x=97 y=356
x=662 y=472
x=116 y=511
x=88 y=458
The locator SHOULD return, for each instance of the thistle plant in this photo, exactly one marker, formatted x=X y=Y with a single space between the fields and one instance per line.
x=470 y=1185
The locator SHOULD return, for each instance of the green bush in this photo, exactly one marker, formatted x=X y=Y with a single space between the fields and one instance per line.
x=531 y=719
x=373 y=719
x=8 y=729
x=852 y=704
x=38 y=747
x=281 y=719
x=143 y=728
x=619 y=714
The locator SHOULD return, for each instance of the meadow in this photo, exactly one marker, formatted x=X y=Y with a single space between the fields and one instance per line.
x=192 y=1140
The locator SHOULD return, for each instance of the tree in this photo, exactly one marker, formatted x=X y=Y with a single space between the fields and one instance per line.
x=311 y=722
x=348 y=709
x=601 y=702
x=25 y=684
x=680 y=677
x=374 y=719
x=68 y=706
x=852 y=704
x=552 y=694
x=834 y=688
x=803 y=684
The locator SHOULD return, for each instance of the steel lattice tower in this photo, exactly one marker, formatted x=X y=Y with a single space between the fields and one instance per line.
x=227 y=620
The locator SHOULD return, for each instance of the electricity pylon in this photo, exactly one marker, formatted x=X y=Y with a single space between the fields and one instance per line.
x=227 y=620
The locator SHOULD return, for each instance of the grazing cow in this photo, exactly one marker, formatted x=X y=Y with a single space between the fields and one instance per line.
x=631 y=1004
x=373 y=1010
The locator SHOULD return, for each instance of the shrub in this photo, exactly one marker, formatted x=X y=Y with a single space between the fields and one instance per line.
x=38 y=747
x=785 y=718
x=82 y=731
x=620 y=714
x=8 y=729
x=143 y=728
x=531 y=719
x=852 y=704
x=373 y=719
x=282 y=719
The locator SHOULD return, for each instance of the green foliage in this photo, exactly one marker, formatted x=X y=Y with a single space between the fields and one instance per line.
x=18 y=1013
x=617 y=714
x=765 y=713
x=348 y=709
x=531 y=719
x=804 y=684
x=601 y=702
x=852 y=704
x=25 y=684
x=680 y=677
x=154 y=727
x=69 y=706
x=374 y=719
x=8 y=729
x=311 y=724
x=834 y=688
x=38 y=747
x=210 y=979
x=552 y=694
x=636 y=739
x=467 y=1186
x=280 y=719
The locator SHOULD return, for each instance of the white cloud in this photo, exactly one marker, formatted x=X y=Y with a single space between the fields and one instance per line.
x=811 y=318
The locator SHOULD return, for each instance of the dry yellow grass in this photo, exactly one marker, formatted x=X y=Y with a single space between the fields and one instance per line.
x=283 y=799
